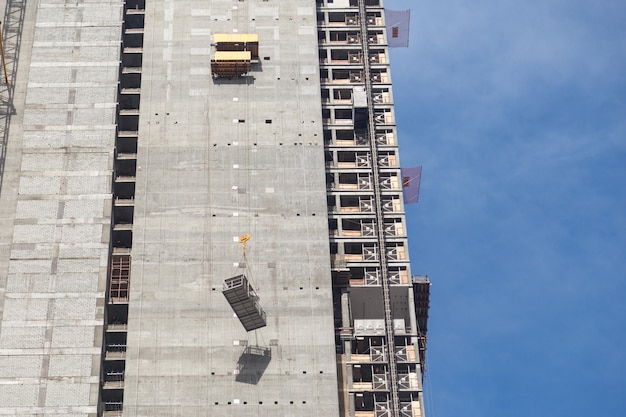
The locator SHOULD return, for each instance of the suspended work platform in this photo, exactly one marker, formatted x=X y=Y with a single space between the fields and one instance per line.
x=231 y=64
x=237 y=42
x=244 y=302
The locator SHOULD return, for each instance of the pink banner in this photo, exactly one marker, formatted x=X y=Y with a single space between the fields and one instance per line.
x=411 y=178
x=397 y=22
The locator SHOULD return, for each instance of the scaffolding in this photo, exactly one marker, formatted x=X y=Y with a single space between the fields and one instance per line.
x=231 y=64
x=11 y=38
x=368 y=237
x=237 y=42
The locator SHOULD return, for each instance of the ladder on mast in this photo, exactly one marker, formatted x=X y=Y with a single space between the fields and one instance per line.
x=389 y=331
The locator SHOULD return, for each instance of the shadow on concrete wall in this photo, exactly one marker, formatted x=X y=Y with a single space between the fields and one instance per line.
x=252 y=364
x=245 y=79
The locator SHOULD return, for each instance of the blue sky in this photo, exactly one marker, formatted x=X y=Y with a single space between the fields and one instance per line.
x=517 y=112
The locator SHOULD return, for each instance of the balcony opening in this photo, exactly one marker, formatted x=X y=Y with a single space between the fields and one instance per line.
x=348 y=181
x=123 y=214
x=343 y=116
x=115 y=345
x=124 y=187
x=126 y=165
x=113 y=374
x=116 y=315
x=128 y=122
x=342 y=95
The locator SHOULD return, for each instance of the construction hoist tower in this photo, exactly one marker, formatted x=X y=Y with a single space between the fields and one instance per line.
x=241 y=295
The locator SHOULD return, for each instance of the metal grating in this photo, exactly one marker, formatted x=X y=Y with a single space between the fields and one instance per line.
x=244 y=302
x=120 y=278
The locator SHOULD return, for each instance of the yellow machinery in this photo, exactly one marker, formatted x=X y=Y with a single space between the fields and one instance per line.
x=230 y=64
x=234 y=54
x=237 y=42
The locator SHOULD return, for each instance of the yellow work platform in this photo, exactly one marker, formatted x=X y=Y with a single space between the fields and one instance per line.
x=237 y=42
x=230 y=63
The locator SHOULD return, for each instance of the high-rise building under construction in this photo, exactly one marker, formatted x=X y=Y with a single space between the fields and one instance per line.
x=201 y=212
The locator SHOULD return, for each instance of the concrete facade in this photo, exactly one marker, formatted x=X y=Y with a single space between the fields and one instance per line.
x=217 y=159
x=55 y=202
x=129 y=173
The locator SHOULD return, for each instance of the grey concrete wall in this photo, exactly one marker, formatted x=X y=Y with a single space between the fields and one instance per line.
x=55 y=208
x=210 y=169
